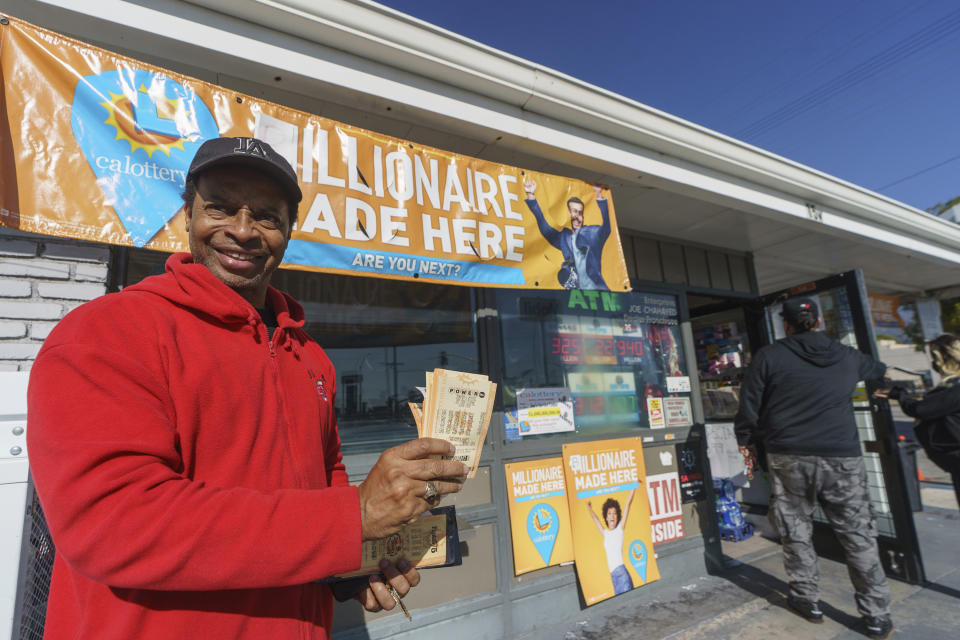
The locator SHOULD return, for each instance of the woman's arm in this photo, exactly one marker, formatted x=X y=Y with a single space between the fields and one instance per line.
x=626 y=507
x=596 y=520
x=937 y=403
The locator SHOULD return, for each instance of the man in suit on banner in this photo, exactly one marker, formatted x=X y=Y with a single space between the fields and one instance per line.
x=581 y=245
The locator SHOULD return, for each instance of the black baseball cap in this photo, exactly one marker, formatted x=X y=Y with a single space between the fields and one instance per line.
x=250 y=152
x=797 y=309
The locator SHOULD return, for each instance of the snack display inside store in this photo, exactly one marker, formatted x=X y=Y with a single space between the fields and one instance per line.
x=723 y=353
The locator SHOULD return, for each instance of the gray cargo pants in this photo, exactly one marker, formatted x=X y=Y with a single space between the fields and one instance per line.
x=840 y=484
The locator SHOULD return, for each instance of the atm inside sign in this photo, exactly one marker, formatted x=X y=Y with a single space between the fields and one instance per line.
x=666 y=512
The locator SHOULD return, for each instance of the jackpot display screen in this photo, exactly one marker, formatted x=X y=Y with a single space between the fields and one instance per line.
x=612 y=350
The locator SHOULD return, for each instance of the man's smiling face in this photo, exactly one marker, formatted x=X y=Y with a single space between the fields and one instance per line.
x=576 y=214
x=238 y=226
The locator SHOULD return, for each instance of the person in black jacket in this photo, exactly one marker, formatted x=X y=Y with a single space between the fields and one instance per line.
x=795 y=401
x=937 y=413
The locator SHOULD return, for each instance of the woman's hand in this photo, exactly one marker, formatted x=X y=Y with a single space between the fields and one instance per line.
x=893 y=393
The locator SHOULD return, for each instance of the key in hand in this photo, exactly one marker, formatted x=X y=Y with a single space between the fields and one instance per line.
x=396 y=598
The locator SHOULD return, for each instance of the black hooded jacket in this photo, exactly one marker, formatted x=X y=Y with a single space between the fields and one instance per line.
x=938 y=421
x=796 y=396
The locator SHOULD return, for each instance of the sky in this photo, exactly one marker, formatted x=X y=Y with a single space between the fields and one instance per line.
x=865 y=90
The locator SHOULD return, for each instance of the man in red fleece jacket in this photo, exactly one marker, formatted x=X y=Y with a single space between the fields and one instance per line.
x=184 y=445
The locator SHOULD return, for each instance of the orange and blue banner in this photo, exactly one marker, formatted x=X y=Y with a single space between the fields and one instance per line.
x=96 y=146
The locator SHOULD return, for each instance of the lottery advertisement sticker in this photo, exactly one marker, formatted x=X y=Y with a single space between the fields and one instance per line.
x=655 y=413
x=539 y=516
x=609 y=517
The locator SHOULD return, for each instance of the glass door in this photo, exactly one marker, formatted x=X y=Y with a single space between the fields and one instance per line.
x=846 y=317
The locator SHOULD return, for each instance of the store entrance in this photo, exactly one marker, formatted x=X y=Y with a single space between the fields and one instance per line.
x=728 y=332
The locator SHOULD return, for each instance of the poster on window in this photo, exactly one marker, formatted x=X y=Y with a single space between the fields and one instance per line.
x=539 y=516
x=544 y=410
x=609 y=517
x=655 y=413
x=676 y=412
x=96 y=146
x=691 y=472
x=666 y=512
x=885 y=311
x=726 y=461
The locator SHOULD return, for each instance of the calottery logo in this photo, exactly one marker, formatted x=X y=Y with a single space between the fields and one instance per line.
x=637 y=553
x=541 y=520
x=543 y=523
x=139 y=131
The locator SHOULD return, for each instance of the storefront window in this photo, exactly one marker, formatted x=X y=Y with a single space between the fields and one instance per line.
x=382 y=336
x=723 y=354
x=834 y=310
x=722 y=347
x=611 y=353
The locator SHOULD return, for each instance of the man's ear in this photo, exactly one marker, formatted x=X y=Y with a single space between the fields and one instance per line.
x=187 y=216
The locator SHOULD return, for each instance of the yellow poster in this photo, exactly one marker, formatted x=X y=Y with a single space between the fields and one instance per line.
x=885 y=311
x=539 y=519
x=609 y=517
x=96 y=146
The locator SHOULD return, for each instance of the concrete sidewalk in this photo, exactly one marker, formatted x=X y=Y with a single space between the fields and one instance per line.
x=747 y=601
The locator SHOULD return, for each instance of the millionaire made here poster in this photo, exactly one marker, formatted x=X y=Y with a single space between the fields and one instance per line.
x=609 y=517
x=539 y=520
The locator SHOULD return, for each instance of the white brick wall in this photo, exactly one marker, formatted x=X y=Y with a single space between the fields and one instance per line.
x=14 y=289
x=13 y=329
x=70 y=291
x=42 y=278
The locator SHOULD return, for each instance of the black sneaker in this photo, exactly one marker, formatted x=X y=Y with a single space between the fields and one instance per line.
x=809 y=610
x=878 y=628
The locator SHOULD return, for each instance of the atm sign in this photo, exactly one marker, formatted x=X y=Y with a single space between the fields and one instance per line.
x=666 y=512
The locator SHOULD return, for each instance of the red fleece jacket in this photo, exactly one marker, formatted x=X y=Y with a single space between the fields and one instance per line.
x=189 y=468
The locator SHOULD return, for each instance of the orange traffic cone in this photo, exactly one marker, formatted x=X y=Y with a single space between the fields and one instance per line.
x=921 y=477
